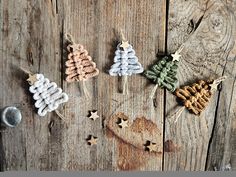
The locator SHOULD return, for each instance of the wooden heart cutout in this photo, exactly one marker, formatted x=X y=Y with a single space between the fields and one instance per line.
x=131 y=142
x=137 y=133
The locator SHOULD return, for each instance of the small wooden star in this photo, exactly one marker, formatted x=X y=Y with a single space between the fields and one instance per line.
x=152 y=147
x=93 y=115
x=32 y=79
x=123 y=123
x=214 y=86
x=176 y=56
x=124 y=44
x=92 y=140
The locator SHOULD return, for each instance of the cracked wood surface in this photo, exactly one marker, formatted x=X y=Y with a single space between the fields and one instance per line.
x=32 y=37
x=207 y=29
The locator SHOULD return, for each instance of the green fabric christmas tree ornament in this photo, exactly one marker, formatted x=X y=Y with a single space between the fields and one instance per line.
x=164 y=73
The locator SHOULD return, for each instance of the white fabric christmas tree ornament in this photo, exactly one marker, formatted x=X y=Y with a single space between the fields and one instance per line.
x=47 y=95
x=125 y=62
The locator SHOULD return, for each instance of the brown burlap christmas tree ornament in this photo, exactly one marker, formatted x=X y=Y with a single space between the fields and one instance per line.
x=197 y=96
x=80 y=66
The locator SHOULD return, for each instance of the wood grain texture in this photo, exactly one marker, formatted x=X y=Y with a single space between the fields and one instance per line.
x=39 y=46
x=206 y=28
x=96 y=24
x=32 y=35
x=222 y=154
x=29 y=40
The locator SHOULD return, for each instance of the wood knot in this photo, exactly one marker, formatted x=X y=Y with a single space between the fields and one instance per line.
x=216 y=23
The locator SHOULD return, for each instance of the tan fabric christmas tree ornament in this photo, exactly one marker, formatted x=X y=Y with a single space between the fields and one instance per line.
x=80 y=66
x=196 y=97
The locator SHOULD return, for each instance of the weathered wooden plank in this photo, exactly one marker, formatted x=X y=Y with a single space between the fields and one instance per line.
x=221 y=154
x=96 y=24
x=13 y=158
x=30 y=39
x=32 y=36
x=204 y=55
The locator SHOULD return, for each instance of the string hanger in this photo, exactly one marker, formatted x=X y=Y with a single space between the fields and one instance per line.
x=177 y=53
x=124 y=44
x=179 y=50
x=216 y=82
x=122 y=36
x=69 y=38
x=26 y=71
x=124 y=78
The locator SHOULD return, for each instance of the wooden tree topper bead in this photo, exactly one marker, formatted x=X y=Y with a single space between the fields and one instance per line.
x=123 y=123
x=124 y=45
x=94 y=115
x=175 y=56
x=32 y=79
x=151 y=147
x=92 y=140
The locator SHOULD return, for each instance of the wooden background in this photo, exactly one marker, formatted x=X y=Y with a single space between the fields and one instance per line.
x=32 y=37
